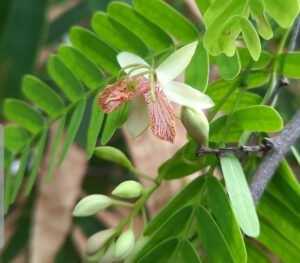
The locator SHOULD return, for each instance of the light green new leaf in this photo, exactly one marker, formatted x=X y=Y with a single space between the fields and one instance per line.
x=65 y=78
x=21 y=113
x=197 y=72
x=118 y=35
x=278 y=244
x=229 y=67
x=245 y=58
x=36 y=162
x=42 y=95
x=251 y=38
x=187 y=194
x=95 y=125
x=214 y=10
x=82 y=67
x=259 y=118
x=221 y=209
x=112 y=154
x=20 y=174
x=189 y=253
x=240 y=195
x=154 y=37
x=160 y=253
x=172 y=227
x=281 y=217
x=114 y=120
x=56 y=142
x=257 y=10
x=217 y=129
x=168 y=19
x=289 y=64
x=15 y=137
x=72 y=129
x=95 y=48
x=284 y=12
x=210 y=235
x=203 y=5
x=254 y=254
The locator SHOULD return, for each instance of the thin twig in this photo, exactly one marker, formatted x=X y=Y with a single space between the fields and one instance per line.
x=222 y=151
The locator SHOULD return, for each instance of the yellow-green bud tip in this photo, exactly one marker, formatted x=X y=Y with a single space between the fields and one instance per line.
x=129 y=189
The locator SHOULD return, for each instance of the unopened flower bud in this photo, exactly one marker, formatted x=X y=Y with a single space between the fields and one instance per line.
x=139 y=244
x=91 y=205
x=96 y=241
x=196 y=124
x=124 y=245
x=129 y=189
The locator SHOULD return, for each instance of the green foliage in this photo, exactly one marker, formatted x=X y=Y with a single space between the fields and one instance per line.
x=203 y=206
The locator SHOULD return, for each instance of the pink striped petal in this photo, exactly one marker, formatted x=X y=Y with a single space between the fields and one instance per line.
x=162 y=118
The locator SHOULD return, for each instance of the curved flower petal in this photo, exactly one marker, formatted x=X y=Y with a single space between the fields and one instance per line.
x=126 y=58
x=176 y=63
x=185 y=95
x=138 y=117
x=162 y=118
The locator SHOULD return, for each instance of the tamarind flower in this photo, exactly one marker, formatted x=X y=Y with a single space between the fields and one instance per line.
x=151 y=91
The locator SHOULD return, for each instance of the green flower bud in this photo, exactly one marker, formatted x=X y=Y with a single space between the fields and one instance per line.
x=112 y=154
x=108 y=257
x=196 y=124
x=139 y=244
x=91 y=205
x=129 y=189
x=124 y=245
x=96 y=241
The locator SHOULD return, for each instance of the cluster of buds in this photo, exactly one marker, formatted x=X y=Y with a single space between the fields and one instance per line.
x=110 y=245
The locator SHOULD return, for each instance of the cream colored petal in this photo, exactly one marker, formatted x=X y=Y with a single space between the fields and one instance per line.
x=185 y=95
x=176 y=63
x=126 y=58
x=138 y=117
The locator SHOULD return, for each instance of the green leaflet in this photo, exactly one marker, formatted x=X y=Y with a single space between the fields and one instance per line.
x=114 y=120
x=65 y=78
x=203 y=5
x=229 y=67
x=183 y=198
x=168 y=19
x=284 y=12
x=112 y=154
x=82 y=67
x=245 y=58
x=42 y=95
x=95 y=125
x=254 y=254
x=289 y=64
x=251 y=38
x=197 y=72
x=239 y=194
x=221 y=210
x=281 y=217
x=189 y=253
x=215 y=246
x=72 y=129
x=15 y=138
x=20 y=174
x=161 y=253
x=118 y=35
x=96 y=49
x=154 y=37
x=258 y=118
x=56 y=142
x=7 y=188
x=172 y=227
x=217 y=129
x=257 y=10
x=278 y=244
x=215 y=18
x=21 y=113
x=36 y=162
